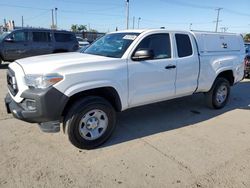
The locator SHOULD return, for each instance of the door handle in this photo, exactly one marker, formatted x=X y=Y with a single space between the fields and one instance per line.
x=170 y=67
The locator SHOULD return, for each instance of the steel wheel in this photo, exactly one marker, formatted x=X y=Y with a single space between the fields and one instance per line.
x=221 y=94
x=90 y=122
x=93 y=124
x=218 y=95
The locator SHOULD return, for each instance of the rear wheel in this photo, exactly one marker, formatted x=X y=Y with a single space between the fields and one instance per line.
x=90 y=122
x=218 y=96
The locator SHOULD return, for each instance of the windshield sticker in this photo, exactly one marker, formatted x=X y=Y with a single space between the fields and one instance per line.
x=129 y=37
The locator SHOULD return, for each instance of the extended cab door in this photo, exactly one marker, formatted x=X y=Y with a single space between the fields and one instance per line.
x=187 y=64
x=153 y=79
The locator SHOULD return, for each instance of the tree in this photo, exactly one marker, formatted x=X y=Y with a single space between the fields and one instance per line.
x=74 y=27
x=82 y=28
x=247 y=37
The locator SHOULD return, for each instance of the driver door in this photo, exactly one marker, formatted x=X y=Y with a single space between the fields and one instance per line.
x=17 y=46
x=153 y=79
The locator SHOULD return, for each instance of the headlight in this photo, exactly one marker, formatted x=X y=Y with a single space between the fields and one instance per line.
x=42 y=81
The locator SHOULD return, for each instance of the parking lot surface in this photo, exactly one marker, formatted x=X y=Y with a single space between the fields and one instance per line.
x=177 y=143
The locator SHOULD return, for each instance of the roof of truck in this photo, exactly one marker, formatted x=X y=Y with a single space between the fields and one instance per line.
x=130 y=31
x=184 y=31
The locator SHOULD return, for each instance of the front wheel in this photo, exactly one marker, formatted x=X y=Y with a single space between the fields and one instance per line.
x=90 y=122
x=218 y=95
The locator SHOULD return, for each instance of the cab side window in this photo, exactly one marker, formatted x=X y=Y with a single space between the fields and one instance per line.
x=184 y=47
x=41 y=36
x=158 y=43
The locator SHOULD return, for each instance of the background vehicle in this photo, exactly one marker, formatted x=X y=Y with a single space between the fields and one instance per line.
x=82 y=42
x=247 y=47
x=247 y=66
x=119 y=71
x=31 y=42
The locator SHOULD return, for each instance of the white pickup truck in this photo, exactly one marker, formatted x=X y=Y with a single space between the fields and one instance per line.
x=121 y=70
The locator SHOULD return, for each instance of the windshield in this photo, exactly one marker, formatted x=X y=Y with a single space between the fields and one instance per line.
x=112 y=45
x=3 y=35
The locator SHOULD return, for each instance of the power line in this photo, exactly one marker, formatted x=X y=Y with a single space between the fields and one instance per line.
x=89 y=2
x=185 y=4
x=236 y=12
x=63 y=10
x=38 y=15
x=86 y=12
x=98 y=10
x=26 y=7
x=193 y=5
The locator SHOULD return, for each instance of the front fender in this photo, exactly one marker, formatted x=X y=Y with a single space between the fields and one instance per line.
x=80 y=87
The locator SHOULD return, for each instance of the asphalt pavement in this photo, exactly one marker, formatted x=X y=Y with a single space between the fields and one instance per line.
x=177 y=143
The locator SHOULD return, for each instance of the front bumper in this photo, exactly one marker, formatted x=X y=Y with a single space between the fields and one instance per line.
x=38 y=105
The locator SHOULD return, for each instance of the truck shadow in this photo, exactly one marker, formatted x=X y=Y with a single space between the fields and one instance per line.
x=4 y=66
x=174 y=114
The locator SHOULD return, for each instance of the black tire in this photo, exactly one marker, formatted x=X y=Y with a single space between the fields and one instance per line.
x=211 y=96
x=78 y=111
x=1 y=61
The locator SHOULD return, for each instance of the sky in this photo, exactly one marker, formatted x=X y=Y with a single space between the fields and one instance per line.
x=106 y=15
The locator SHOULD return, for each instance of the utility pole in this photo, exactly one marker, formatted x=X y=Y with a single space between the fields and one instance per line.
x=217 y=20
x=52 y=14
x=133 y=22
x=190 y=26
x=56 y=17
x=5 y=22
x=127 y=13
x=22 y=22
x=139 y=19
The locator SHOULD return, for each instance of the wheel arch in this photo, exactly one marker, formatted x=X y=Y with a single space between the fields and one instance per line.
x=228 y=75
x=108 y=93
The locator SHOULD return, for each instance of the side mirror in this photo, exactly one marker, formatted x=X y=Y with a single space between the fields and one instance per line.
x=141 y=55
x=9 y=40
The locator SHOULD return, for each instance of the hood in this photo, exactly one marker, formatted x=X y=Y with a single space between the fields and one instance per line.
x=49 y=63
